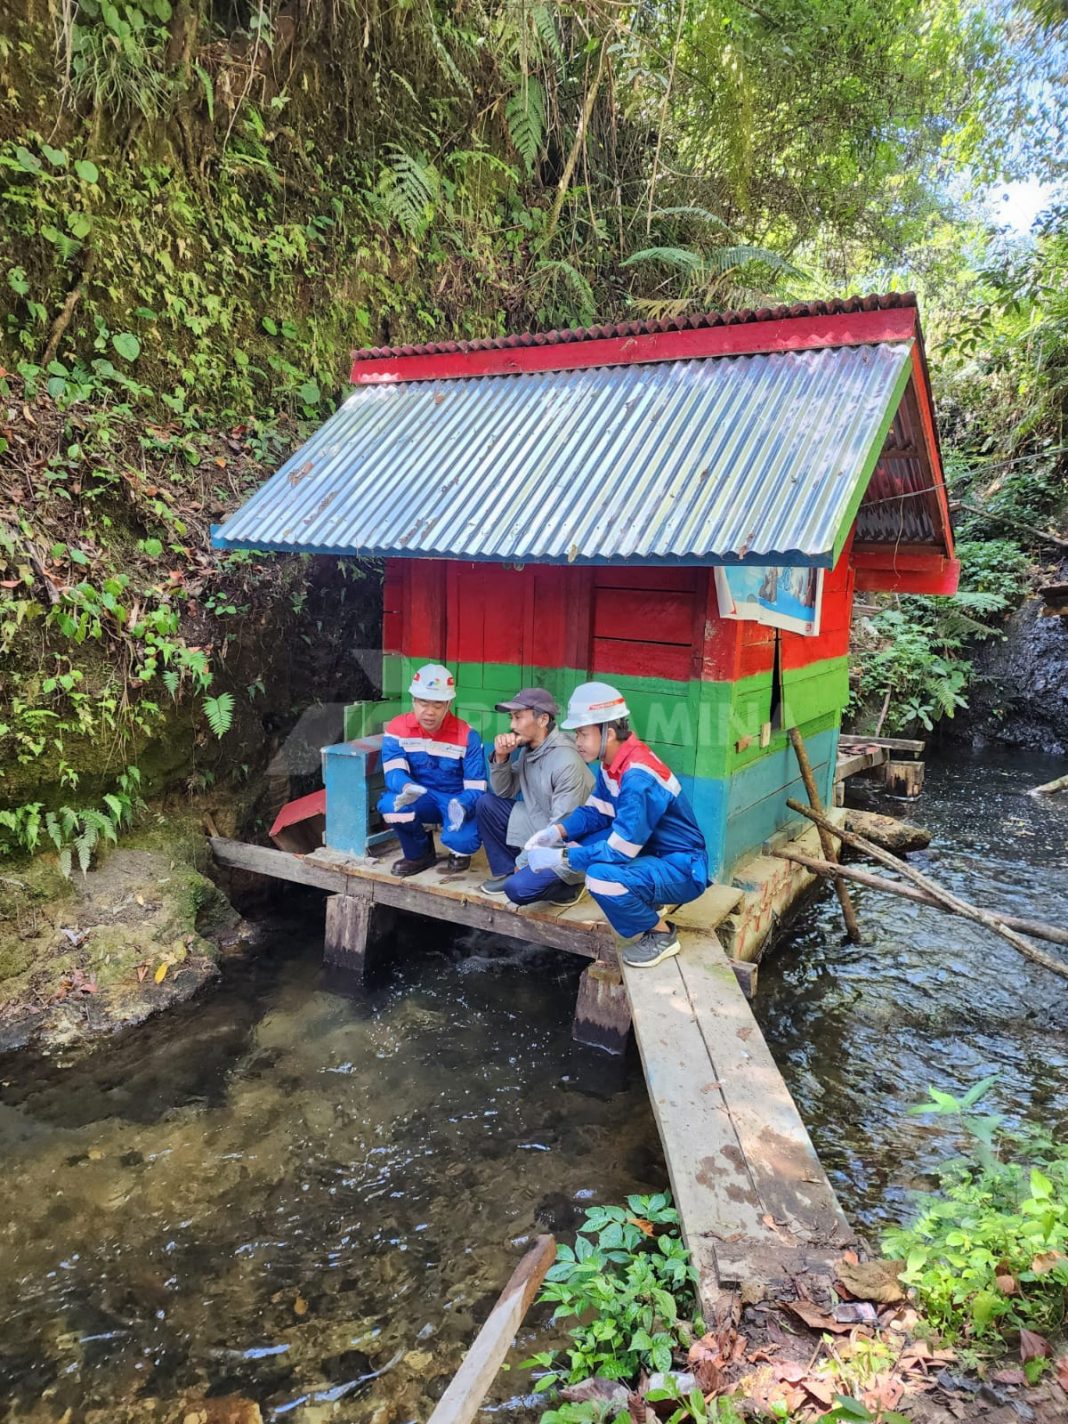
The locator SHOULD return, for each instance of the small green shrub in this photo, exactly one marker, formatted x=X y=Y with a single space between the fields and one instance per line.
x=997 y=566
x=988 y=1253
x=631 y=1287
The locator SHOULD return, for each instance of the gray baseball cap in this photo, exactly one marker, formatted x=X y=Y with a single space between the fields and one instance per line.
x=534 y=698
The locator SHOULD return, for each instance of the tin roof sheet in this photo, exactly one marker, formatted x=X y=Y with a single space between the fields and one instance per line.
x=756 y=458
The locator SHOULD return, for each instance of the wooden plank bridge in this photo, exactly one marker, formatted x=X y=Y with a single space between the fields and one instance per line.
x=754 y=1202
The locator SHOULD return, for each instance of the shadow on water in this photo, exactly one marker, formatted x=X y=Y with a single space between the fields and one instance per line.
x=861 y=1031
x=297 y=1195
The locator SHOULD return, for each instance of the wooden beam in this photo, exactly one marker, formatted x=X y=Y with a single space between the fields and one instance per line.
x=463 y=1398
x=714 y=1193
x=893 y=744
x=602 y=1010
x=914 y=558
x=438 y=899
x=893 y=580
x=849 y=915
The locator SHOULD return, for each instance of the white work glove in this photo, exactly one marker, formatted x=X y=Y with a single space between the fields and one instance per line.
x=550 y=836
x=541 y=858
x=456 y=814
x=409 y=792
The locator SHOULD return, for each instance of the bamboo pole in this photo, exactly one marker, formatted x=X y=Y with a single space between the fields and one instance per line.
x=1036 y=928
x=945 y=897
x=829 y=851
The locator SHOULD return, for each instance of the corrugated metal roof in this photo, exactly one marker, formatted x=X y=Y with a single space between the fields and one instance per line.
x=751 y=457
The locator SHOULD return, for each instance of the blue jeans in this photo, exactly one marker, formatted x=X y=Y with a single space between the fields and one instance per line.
x=523 y=887
x=491 y=817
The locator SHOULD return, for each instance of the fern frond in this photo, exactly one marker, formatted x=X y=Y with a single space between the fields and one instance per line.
x=681 y=257
x=465 y=158
x=661 y=308
x=220 y=712
x=545 y=26
x=524 y=113
x=569 y=297
x=723 y=259
x=445 y=59
x=691 y=210
x=84 y=846
x=410 y=186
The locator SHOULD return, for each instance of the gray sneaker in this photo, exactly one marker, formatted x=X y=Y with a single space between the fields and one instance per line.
x=653 y=946
x=495 y=884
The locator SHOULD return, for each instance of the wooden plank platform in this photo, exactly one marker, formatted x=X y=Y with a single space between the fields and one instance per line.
x=754 y=1201
x=580 y=928
x=850 y=763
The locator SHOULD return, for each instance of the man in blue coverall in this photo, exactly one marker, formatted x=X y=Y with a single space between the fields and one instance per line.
x=435 y=770
x=636 y=838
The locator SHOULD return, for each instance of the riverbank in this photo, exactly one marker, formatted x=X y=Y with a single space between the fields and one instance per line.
x=92 y=954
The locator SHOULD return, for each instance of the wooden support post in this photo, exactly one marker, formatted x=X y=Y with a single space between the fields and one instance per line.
x=829 y=850
x=903 y=778
x=746 y=975
x=348 y=919
x=463 y=1398
x=602 y=1010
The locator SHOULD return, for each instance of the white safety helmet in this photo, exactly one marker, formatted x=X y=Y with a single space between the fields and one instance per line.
x=594 y=702
x=433 y=683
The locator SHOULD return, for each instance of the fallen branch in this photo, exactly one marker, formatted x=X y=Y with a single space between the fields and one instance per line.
x=829 y=851
x=945 y=897
x=1061 y=784
x=832 y=870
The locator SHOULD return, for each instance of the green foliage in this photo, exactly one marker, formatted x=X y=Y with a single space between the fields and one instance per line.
x=220 y=712
x=988 y=1253
x=630 y=1286
x=912 y=658
x=72 y=831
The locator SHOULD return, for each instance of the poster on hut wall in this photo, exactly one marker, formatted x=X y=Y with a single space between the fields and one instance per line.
x=778 y=596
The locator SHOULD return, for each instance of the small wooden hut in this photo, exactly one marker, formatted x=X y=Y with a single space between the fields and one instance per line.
x=593 y=503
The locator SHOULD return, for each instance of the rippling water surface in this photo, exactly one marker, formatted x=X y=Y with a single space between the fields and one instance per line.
x=861 y=1031
x=309 y=1201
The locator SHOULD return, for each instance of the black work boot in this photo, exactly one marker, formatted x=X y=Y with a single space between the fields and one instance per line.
x=405 y=867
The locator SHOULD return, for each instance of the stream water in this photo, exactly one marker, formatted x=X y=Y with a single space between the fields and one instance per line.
x=288 y=1195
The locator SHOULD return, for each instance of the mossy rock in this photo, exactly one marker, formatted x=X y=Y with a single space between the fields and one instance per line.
x=110 y=948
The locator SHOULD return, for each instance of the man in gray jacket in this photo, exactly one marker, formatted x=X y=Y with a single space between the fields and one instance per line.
x=541 y=765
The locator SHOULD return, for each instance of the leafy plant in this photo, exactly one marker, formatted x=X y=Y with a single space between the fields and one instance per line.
x=220 y=712
x=988 y=1254
x=632 y=1288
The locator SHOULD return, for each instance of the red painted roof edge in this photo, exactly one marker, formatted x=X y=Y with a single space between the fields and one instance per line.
x=848 y=321
x=314 y=804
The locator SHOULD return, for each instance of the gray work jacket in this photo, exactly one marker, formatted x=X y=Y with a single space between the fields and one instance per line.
x=552 y=780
